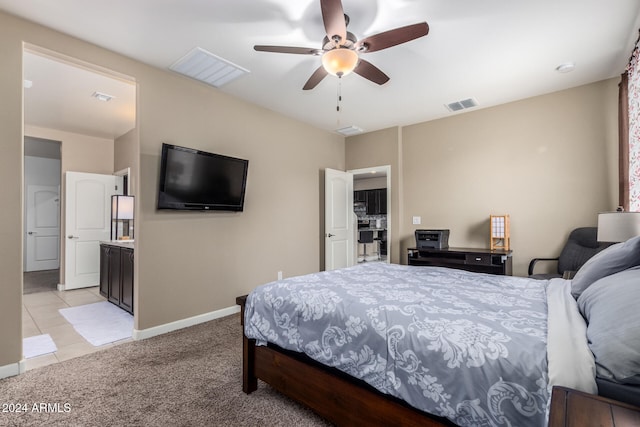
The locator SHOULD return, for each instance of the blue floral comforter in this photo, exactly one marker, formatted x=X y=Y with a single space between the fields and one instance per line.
x=466 y=346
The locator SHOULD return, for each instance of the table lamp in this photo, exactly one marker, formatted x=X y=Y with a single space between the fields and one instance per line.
x=122 y=217
x=618 y=226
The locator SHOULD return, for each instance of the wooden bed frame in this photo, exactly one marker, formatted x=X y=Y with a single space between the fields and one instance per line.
x=335 y=396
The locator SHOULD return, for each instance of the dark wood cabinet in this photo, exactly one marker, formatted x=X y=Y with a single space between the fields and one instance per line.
x=126 y=276
x=382 y=201
x=375 y=200
x=116 y=275
x=105 y=255
x=372 y=206
x=477 y=260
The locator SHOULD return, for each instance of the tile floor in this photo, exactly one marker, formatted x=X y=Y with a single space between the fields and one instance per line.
x=40 y=315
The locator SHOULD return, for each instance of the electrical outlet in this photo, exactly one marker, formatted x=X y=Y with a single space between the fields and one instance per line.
x=417 y=220
x=279 y=275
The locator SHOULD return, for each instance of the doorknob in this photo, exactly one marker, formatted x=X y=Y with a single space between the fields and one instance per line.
x=32 y=232
x=330 y=235
x=71 y=236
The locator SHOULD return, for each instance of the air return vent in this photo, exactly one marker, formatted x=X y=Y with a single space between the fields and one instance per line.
x=349 y=130
x=461 y=105
x=207 y=67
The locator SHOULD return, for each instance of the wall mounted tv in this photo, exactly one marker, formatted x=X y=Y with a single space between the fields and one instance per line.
x=197 y=180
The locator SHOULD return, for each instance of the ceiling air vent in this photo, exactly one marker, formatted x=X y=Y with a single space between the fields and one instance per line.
x=207 y=68
x=349 y=130
x=461 y=105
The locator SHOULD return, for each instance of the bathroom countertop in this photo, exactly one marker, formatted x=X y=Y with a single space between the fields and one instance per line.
x=121 y=243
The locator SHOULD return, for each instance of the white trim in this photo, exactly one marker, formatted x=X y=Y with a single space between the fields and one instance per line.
x=12 y=370
x=184 y=323
x=125 y=172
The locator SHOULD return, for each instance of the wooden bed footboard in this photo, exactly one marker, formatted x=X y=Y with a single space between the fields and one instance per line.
x=335 y=396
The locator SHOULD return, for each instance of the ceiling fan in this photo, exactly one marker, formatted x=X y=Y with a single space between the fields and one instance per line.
x=340 y=48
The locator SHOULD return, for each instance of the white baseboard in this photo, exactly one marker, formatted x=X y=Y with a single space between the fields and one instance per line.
x=184 y=323
x=12 y=370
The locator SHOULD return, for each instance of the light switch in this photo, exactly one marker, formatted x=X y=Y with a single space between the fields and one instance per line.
x=417 y=220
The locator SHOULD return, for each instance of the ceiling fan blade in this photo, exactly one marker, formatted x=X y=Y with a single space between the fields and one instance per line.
x=334 y=21
x=289 y=49
x=315 y=78
x=392 y=37
x=370 y=72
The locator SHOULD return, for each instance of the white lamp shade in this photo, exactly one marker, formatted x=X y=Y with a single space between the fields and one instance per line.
x=122 y=207
x=618 y=226
x=340 y=61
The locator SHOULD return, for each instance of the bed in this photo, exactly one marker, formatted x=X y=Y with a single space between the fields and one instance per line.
x=380 y=344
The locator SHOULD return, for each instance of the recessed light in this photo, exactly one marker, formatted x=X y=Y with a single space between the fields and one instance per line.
x=566 y=67
x=102 y=96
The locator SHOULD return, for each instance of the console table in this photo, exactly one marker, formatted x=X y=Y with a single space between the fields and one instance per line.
x=496 y=261
x=572 y=408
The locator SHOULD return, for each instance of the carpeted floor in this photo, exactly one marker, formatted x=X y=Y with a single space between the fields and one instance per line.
x=40 y=281
x=190 y=377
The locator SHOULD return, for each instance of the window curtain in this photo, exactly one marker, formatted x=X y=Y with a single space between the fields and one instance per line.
x=630 y=134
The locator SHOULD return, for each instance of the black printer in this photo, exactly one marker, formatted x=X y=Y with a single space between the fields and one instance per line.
x=432 y=239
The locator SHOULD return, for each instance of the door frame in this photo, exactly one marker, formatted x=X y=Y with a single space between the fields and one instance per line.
x=125 y=173
x=387 y=170
x=110 y=73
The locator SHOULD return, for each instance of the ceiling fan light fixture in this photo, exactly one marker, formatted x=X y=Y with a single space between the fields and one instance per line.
x=340 y=61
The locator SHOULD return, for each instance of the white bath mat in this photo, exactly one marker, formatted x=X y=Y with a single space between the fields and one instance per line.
x=38 y=346
x=99 y=323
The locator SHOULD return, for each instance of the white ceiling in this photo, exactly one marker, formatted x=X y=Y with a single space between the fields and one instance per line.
x=61 y=97
x=495 y=51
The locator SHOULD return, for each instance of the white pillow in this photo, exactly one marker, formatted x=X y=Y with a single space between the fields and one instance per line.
x=611 y=308
x=611 y=260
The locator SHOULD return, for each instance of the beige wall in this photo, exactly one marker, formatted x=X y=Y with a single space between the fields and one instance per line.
x=11 y=169
x=187 y=263
x=549 y=162
x=211 y=258
x=381 y=148
x=126 y=154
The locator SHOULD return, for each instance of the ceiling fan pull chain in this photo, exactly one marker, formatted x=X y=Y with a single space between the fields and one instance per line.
x=339 y=93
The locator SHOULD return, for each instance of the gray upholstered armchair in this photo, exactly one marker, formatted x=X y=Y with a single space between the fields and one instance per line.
x=581 y=245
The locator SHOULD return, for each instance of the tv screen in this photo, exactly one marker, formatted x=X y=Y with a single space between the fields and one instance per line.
x=196 y=180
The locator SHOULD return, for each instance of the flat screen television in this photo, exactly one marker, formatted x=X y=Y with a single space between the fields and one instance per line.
x=197 y=180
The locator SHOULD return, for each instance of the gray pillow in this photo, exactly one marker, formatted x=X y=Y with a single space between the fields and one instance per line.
x=609 y=261
x=610 y=306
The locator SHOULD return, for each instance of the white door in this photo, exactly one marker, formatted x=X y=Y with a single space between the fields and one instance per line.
x=43 y=228
x=338 y=219
x=87 y=222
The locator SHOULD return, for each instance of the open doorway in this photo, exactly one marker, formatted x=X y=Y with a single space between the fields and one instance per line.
x=372 y=200
x=89 y=113
x=41 y=257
